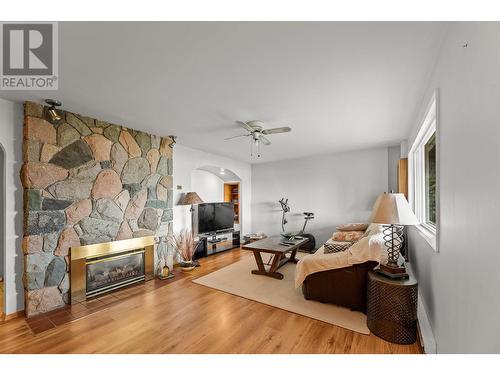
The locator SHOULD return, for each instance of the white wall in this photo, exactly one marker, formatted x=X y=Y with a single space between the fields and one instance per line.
x=460 y=284
x=2 y=215
x=186 y=160
x=11 y=137
x=394 y=154
x=209 y=187
x=338 y=188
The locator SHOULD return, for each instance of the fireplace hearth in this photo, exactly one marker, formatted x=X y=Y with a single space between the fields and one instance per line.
x=100 y=268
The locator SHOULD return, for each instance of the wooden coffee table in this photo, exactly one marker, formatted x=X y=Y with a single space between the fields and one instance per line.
x=271 y=245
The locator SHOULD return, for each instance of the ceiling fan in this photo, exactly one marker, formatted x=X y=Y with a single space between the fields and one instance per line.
x=256 y=130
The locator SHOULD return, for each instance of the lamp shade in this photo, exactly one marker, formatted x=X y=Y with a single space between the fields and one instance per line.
x=393 y=208
x=190 y=198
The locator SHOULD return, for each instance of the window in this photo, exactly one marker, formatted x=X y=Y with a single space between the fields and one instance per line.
x=423 y=162
x=430 y=179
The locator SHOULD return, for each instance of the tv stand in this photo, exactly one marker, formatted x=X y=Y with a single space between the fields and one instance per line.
x=218 y=242
x=215 y=239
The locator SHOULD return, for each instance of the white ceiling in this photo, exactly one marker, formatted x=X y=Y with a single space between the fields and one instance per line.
x=339 y=85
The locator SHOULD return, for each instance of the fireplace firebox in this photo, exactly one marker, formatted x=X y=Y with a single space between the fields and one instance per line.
x=100 y=268
x=114 y=271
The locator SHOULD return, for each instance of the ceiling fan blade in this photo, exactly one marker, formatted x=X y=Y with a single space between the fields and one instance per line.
x=264 y=140
x=236 y=136
x=245 y=126
x=284 y=129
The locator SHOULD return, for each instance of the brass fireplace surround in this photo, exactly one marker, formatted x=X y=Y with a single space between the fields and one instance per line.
x=80 y=254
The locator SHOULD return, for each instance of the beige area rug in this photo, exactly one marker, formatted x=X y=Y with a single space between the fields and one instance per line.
x=237 y=279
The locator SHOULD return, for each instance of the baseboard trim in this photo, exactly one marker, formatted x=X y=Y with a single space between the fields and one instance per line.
x=424 y=329
x=425 y=333
x=7 y=317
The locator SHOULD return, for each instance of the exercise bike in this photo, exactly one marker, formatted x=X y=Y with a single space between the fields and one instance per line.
x=311 y=244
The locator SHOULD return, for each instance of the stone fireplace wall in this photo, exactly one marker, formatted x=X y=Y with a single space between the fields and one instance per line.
x=86 y=181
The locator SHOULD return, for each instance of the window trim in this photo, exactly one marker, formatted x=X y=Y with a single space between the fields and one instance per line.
x=416 y=175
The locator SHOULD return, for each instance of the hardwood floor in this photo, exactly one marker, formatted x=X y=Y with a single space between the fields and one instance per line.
x=183 y=317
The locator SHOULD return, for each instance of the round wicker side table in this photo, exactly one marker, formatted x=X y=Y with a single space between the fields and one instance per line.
x=392 y=308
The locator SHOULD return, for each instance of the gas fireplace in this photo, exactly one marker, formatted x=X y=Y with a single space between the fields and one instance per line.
x=112 y=272
x=100 y=268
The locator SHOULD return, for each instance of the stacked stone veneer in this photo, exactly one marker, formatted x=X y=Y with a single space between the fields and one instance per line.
x=86 y=181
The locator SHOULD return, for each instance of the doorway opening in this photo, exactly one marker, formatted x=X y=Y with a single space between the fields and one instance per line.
x=232 y=195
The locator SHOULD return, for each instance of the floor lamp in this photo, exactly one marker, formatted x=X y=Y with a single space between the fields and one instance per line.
x=191 y=198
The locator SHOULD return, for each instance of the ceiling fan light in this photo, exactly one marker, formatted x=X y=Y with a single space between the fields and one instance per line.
x=255 y=129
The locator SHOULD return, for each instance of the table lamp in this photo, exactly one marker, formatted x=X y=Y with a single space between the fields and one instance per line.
x=393 y=212
x=190 y=198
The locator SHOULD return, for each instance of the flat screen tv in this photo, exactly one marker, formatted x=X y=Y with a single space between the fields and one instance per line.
x=215 y=217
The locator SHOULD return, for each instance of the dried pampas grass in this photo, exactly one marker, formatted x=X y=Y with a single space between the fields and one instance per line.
x=185 y=244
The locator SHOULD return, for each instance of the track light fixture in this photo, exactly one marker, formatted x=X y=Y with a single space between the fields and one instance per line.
x=52 y=114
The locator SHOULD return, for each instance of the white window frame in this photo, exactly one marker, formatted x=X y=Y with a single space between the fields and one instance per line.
x=416 y=163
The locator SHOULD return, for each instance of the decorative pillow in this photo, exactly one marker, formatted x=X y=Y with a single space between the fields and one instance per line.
x=335 y=247
x=367 y=233
x=375 y=228
x=353 y=226
x=351 y=236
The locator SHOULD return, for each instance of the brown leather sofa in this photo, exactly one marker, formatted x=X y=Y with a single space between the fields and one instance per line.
x=343 y=286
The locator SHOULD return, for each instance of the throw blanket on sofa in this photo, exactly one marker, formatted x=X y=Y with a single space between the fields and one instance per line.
x=368 y=248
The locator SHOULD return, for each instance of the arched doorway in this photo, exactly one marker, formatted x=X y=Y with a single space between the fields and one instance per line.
x=219 y=184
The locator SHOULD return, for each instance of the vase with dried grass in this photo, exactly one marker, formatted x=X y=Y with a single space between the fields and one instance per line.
x=165 y=261
x=185 y=245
